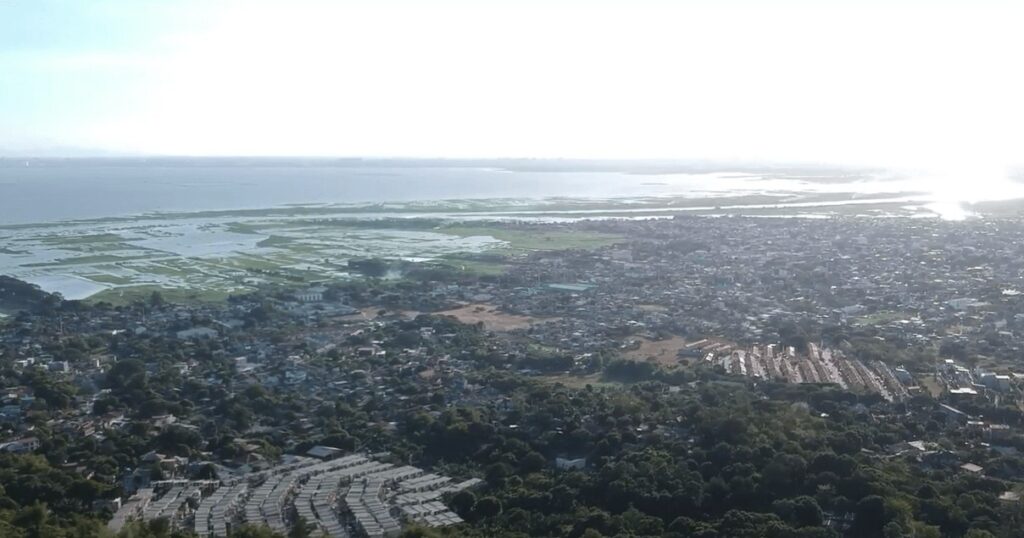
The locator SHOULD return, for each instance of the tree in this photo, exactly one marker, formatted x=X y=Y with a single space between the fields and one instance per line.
x=953 y=349
x=462 y=503
x=497 y=472
x=156 y=299
x=784 y=474
x=533 y=462
x=248 y=530
x=487 y=507
x=892 y=530
x=33 y=519
x=869 y=517
x=419 y=531
x=300 y=529
x=125 y=374
x=802 y=511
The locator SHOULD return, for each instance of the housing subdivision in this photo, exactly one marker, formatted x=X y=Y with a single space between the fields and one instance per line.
x=340 y=497
x=817 y=364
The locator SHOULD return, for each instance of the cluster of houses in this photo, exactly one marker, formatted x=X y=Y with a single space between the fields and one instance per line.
x=340 y=495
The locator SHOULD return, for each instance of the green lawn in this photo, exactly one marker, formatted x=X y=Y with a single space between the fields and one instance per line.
x=129 y=294
x=165 y=267
x=879 y=318
x=475 y=267
x=242 y=228
x=248 y=262
x=80 y=239
x=110 y=279
x=87 y=260
x=276 y=241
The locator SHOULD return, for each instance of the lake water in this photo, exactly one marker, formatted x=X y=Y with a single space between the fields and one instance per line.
x=49 y=193
x=57 y=230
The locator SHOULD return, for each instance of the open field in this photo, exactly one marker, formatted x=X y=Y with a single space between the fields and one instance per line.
x=517 y=239
x=492 y=266
x=492 y=319
x=929 y=383
x=880 y=318
x=117 y=262
x=128 y=294
x=578 y=381
x=211 y=255
x=664 y=352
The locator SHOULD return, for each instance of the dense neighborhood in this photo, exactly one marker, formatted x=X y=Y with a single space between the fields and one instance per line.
x=424 y=400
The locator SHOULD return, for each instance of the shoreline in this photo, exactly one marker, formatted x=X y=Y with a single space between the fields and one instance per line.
x=212 y=253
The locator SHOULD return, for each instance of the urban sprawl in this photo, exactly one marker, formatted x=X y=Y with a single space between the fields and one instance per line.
x=362 y=406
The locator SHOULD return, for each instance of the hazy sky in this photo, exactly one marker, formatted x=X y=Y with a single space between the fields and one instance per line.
x=883 y=82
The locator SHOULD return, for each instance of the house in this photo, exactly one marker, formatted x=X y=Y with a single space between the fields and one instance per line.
x=136 y=480
x=565 y=464
x=963 y=394
x=293 y=376
x=324 y=452
x=309 y=296
x=961 y=303
x=196 y=333
x=998 y=432
x=952 y=413
x=1010 y=496
x=21 y=446
x=112 y=505
x=995 y=381
x=11 y=412
x=972 y=468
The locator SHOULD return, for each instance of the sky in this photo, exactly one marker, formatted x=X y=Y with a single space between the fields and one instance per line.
x=910 y=83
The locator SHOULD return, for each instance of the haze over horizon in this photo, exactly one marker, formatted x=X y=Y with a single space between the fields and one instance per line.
x=875 y=83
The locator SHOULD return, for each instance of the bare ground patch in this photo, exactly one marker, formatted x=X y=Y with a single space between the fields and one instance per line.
x=664 y=352
x=492 y=319
x=577 y=381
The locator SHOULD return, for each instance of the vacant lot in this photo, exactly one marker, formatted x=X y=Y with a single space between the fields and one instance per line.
x=492 y=319
x=931 y=385
x=663 y=351
x=577 y=381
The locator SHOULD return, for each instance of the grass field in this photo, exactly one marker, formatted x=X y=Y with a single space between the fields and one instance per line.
x=105 y=278
x=535 y=239
x=473 y=267
x=84 y=260
x=275 y=241
x=880 y=318
x=129 y=294
x=81 y=239
x=202 y=261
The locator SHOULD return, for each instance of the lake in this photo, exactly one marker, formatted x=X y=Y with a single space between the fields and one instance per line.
x=91 y=227
x=46 y=191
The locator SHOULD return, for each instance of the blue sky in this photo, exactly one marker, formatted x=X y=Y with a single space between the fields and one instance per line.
x=887 y=82
x=63 y=65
